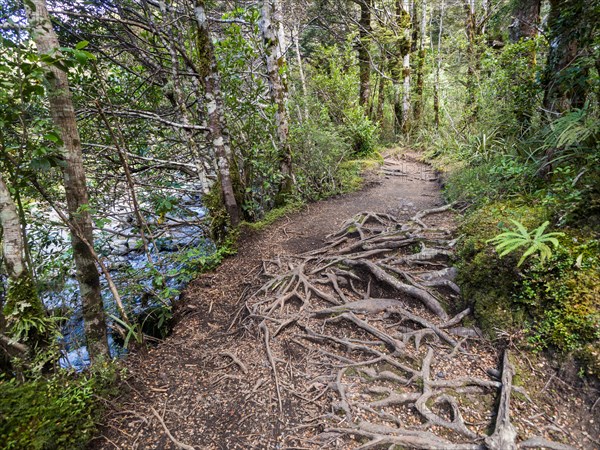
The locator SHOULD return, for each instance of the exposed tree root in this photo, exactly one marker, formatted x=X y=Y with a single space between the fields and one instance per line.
x=359 y=303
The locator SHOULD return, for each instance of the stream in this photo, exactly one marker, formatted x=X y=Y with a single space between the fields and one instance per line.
x=179 y=244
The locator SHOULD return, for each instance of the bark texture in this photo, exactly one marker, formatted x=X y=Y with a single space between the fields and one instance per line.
x=406 y=81
x=215 y=113
x=420 y=63
x=566 y=74
x=12 y=239
x=271 y=26
x=364 y=60
x=526 y=19
x=63 y=116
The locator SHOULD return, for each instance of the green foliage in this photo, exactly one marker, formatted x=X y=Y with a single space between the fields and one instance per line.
x=274 y=215
x=362 y=132
x=556 y=301
x=564 y=296
x=59 y=412
x=487 y=280
x=534 y=241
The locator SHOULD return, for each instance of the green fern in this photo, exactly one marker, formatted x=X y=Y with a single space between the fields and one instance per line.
x=535 y=241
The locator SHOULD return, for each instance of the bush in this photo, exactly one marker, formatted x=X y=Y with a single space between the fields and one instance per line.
x=318 y=151
x=51 y=413
x=362 y=132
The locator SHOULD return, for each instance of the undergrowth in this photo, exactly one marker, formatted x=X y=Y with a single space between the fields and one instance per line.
x=549 y=174
x=53 y=412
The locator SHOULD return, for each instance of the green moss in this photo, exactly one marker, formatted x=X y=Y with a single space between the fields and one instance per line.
x=487 y=281
x=274 y=215
x=556 y=303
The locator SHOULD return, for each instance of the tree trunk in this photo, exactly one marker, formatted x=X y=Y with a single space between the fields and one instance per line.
x=400 y=65
x=565 y=79
x=271 y=27
x=13 y=246
x=406 y=83
x=438 y=68
x=380 y=99
x=63 y=116
x=215 y=113
x=526 y=18
x=364 y=59
x=418 y=105
x=471 y=27
x=301 y=69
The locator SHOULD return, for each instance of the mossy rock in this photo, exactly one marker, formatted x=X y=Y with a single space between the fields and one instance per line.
x=487 y=281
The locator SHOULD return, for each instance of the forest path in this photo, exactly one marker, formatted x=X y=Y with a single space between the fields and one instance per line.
x=266 y=356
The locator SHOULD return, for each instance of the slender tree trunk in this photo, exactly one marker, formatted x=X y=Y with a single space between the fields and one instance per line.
x=526 y=19
x=296 y=37
x=215 y=113
x=271 y=26
x=380 y=99
x=180 y=100
x=63 y=116
x=471 y=28
x=400 y=65
x=419 y=102
x=438 y=69
x=406 y=83
x=364 y=59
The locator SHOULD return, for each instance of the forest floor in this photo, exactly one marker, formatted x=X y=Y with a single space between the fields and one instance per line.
x=339 y=327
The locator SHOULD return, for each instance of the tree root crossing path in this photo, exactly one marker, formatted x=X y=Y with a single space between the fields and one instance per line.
x=340 y=327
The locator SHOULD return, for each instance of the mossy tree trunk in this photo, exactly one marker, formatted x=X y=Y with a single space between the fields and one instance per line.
x=570 y=23
x=271 y=27
x=419 y=37
x=406 y=72
x=526 y=19
x=400 y=65
x=364 y=59
x=217 y=127
x=63 y=116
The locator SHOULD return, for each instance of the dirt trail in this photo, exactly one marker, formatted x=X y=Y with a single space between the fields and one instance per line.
x=327 y=331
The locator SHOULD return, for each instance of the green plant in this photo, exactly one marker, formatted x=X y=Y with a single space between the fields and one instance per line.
x=132 y=331
x=535 y=241
x=58 y=412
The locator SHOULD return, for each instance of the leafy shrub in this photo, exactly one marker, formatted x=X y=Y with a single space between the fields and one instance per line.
x=318 y=153
x=362 y=132
x=54 y=413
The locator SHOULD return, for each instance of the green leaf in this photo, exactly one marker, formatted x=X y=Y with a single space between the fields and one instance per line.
x=81 y=45
x=540 y=230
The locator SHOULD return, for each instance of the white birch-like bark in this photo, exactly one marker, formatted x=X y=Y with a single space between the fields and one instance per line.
x=271 y=26
x=215 y=111
x=13 y=246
